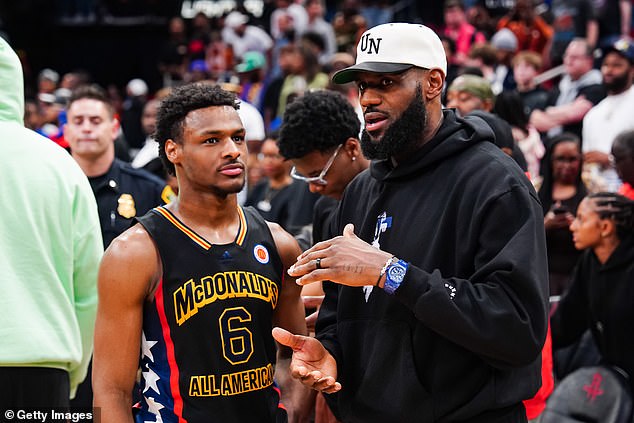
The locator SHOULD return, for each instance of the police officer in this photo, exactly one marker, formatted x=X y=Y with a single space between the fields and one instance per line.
x=121 y=191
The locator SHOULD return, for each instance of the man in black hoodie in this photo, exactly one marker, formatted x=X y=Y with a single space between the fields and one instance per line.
x=440 y=307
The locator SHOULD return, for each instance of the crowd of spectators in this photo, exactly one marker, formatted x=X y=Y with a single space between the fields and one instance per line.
x=545 y=68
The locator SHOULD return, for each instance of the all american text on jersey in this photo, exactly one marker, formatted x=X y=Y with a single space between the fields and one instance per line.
x=232 y=383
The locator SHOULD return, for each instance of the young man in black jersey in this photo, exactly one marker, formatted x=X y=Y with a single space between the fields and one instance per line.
x=196 y=286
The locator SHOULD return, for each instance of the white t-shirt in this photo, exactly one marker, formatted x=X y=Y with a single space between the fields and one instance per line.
x=603 y=123
x=254 y=127
x=252 y=121
x=297 y=12
x=146 y=154
x=254 y=39
x=606 y=120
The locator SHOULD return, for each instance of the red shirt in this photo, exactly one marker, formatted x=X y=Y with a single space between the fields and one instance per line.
x=465 y=36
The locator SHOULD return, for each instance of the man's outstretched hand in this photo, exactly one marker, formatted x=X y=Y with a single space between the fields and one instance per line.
x=312 y=364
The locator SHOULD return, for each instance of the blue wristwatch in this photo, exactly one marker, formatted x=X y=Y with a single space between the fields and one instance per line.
x=394 y=276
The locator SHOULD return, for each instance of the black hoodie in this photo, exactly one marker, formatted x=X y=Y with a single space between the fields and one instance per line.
x=601 y=298
x=460 y=340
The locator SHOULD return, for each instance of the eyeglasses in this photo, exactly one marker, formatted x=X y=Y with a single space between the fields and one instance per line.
x=319 y=180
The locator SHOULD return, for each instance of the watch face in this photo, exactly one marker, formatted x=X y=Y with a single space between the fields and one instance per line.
x=396 y=273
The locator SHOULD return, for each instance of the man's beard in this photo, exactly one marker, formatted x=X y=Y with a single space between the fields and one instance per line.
x=618 y=84
x=402 y=136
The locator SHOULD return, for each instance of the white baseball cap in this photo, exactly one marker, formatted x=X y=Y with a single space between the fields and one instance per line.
x=137 y=87
x=235 y=19
x=393 y=48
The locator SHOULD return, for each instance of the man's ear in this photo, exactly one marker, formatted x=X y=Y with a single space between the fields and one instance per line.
x=435 y=84
x=172 y=151
x=116 y=125
x=352 y=147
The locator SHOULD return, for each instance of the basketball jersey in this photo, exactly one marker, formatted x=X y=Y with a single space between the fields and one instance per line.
x=207 y=353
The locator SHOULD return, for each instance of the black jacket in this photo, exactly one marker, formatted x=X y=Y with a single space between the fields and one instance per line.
x=601 y=298
x=291 y=207
x=460 y=340
x=123 y=193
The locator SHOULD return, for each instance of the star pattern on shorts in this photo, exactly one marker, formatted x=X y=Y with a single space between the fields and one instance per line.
x=146 y=347
x=151 y=378
x=154 y=408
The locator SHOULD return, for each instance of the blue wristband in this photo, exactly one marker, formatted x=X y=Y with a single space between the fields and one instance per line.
x=394 y=276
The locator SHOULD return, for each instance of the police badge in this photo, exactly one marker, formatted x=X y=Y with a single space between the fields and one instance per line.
x=126 y=206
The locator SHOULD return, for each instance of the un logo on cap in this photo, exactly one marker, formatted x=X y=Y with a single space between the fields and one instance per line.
x=370 y=45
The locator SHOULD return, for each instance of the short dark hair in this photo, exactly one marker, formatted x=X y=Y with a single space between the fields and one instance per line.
x=319 y=120
x=314 y=38
x=510 y=107
x=92 y=92
x=175 y=107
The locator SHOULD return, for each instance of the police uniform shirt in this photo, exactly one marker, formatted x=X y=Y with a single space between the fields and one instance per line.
x=124 y=193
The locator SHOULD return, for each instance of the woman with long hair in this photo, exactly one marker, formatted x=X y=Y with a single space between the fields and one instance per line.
x=560 y=193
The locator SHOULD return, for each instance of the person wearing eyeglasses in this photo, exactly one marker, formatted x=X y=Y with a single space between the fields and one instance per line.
x=438 y=254
x=319 y=136
x=278 y=197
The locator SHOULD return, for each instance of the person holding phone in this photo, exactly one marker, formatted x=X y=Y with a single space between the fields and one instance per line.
x=561 y=191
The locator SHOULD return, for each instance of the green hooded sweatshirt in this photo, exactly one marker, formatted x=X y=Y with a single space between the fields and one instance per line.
x=50 y=243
